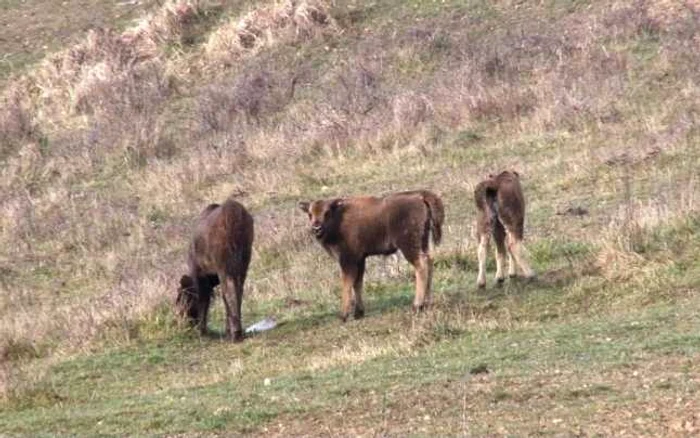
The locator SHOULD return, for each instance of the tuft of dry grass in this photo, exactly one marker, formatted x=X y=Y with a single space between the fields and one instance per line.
x=289 y=20
x=17 y=121
x=171 y=23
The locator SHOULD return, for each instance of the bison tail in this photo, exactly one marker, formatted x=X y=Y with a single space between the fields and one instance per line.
x=436 y=213
x=491 y=198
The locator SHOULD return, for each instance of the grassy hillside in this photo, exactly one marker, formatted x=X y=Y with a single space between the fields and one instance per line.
x=29 y=29
x=112 y=145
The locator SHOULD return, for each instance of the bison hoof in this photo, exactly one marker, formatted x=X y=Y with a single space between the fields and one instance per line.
x=481 y=285
x=343 y=316
x=500 y=281
x=512 y=275
x=359 y=313
x=418 y=308
x=236 y=337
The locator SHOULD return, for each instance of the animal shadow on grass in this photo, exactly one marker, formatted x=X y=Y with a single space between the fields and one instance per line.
x=380 y=301
x=551 y=281
x=561 y=277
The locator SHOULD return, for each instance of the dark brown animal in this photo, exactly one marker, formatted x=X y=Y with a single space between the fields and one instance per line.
x=501 y=213
x=351 y=229
x=220 y=252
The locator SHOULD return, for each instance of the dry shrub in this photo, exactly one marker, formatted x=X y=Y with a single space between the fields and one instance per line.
x=355 y=90
x=114 y=313
x=106 y=55
x=411 y=110
x=67 y=68
x=16 y=225
x=127 y=109
x=502 y=104
x=626 y=20
x=170 y=24
x=618 y=265
x=247 y=99
x=111 y=76
x=353 y=110
x=633 y=229
x=117 y=84
x=654 y=142
x=555 y=75
x=70 y=76
x=669 y=12
x=290 y=20
x=103 y=72
x=457 y=101
x=17 y=123
x=328 y=130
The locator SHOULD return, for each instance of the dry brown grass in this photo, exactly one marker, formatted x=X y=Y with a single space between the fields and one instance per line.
x=33 y=29
x=262 y=27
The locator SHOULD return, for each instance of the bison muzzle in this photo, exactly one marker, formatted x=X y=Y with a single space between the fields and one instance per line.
x=351 y=229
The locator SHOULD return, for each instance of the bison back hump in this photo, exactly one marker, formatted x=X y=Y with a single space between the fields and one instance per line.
x=222 y=233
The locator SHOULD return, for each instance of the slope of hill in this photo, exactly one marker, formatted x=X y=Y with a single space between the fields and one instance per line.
x=29 y=29
x=111 y=147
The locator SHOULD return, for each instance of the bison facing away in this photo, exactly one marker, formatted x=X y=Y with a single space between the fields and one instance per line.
x=219 y=252
x=501 y=213
x=351 y=229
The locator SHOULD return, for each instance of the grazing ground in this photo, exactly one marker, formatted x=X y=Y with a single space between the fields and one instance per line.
x=112 y=141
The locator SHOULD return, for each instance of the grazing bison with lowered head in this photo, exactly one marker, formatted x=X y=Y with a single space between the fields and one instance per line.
x=351 y=229
x=501 y=213
x=219 y=253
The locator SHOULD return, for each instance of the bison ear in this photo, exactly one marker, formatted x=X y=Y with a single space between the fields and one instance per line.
x=186 y=282
x=516 y=174
x=303 y=206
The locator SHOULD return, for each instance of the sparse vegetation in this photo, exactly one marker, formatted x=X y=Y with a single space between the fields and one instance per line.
x=108 y=139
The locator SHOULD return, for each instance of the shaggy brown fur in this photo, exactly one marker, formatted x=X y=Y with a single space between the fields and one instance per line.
x=501 y=212
x=351 y=229
x=219 y=253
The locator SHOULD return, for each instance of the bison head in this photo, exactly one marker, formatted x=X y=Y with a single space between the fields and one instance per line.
x=322 y=215
x=504 y=174
x=188 y=298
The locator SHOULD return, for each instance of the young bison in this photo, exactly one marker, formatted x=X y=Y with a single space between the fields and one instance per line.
x=351 y=229
x=219 y=253
x=501 y=212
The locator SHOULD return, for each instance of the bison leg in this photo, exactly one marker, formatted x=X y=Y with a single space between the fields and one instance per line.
x=511 y=265
x=206 y=290
x=349 y=274
x=357 y=287
x=515 y=247
x=422 y=263
x=499 y=235
x=232 y=294
x=203 y=302
x=238 y=333
x=429 y=286
x=481 y=253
